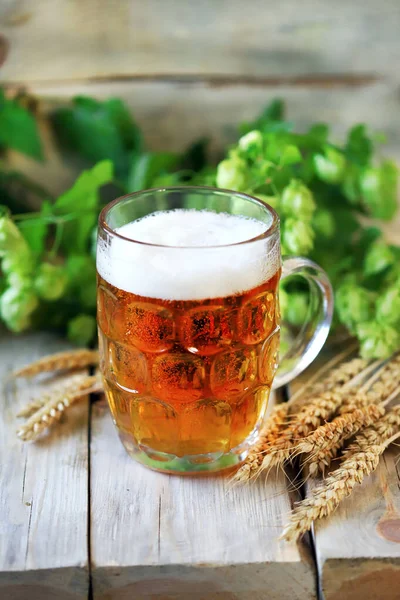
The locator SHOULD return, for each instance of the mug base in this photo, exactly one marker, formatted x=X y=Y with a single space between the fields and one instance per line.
x=195 y=464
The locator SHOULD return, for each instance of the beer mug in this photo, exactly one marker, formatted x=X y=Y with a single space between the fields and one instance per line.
x=189 y=323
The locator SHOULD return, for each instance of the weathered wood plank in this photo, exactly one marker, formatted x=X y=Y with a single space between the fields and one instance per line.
x=158 y=536
x=358 y=547
x=43 y=489
x=97 y=38
x=173 y=114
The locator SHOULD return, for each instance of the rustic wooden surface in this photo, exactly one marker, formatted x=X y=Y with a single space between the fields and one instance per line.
x=64 y=40
x=358 y=548
x=43 y=490
x=160 y=537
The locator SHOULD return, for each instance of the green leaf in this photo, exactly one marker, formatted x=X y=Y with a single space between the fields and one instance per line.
x=99 y=130
x=378 y=258
x=146 y=167
x=35 y=230
x=80 y=205
x=18 y=128
x=195 y=156
x=359 y=146
x=290 y=155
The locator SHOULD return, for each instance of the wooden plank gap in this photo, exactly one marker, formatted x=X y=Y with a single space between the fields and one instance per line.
x=336 y=80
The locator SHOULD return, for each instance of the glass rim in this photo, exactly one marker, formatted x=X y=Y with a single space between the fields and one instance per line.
x=270 y=230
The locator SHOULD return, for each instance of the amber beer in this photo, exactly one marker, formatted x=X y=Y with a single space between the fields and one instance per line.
x=188 y=377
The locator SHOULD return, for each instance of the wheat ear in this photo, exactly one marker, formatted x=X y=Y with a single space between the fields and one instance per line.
x=376 y=434
x=273 y=427
x=326 y=498
x=56 y=404
x=73 y=382
x=324 y=444
x=71 y=359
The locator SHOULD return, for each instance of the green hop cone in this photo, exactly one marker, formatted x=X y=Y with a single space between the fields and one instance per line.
x=388 y=307
x=353 y=305
x=16 y=307
x=378 y=258
x=11 y=239
x=330 y=166
x=324 y=223
x=297 y=237
x=251 y=144
x=21 y=263
x=51 y=281
x=379 y=190
x=297 y=201
x=82 y=329
x=297 y=309
x=231 y=174
x=377 y=340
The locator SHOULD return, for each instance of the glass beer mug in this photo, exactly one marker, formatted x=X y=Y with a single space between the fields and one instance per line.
x=189 y=322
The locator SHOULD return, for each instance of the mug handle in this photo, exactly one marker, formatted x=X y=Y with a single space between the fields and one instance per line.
x=314 y=331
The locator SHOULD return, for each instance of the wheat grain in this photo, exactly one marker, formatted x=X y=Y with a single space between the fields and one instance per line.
x=71 y=359
x=55 y=406
x=72 y=382
x=377 y=433
x=324 y=444
x=274 y=425
x=336 y=377
x=326 y=498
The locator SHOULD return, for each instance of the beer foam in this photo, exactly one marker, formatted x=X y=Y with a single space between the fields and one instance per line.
x=197 y=255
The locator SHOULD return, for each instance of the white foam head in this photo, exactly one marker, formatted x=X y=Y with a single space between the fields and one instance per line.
x=197 y=255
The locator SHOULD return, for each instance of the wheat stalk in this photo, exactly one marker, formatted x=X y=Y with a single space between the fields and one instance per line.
x=70 y=359
x=73 y=382
x=273 y=427
x=340 y=375
x=326 y=498
x=324 y=444
x=55 y=405
x=377 y=433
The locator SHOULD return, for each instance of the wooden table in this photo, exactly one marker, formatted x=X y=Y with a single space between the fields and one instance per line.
x=80 y=519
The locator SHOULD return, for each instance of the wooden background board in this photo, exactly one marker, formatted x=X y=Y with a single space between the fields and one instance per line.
x=167 y=537
x=79 y=39
x=174 y=114
x=43 y=489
